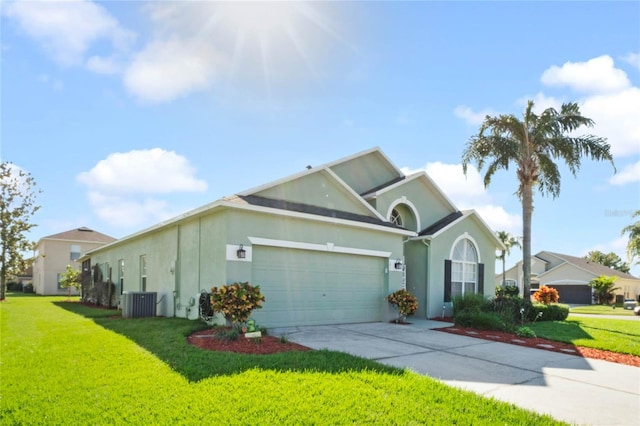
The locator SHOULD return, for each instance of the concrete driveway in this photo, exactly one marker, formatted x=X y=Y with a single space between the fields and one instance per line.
x=567 y=387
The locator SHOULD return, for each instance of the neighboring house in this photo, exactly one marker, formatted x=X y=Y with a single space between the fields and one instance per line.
x=54 y=252
x=26 y=277
x=326 y=246
x=570 y=275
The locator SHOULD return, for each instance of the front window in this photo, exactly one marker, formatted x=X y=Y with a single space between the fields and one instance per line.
x=75 y=252
x=464 y=269
x=396 y=219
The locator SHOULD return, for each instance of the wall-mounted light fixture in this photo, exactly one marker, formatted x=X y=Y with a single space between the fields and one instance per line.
x=398 y=264
x=241 y=252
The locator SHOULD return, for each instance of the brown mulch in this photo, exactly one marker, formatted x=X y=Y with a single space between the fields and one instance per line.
x=206 y=339
x=548 y=345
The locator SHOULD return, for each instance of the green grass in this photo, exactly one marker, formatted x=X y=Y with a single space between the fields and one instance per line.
x=63 y=363
x=614 y=335
x=601 y=310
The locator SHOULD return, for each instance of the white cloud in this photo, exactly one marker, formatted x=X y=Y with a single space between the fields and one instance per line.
x=500 y=220
x=66 y=29
x=470 y=116
x=120 y=188
x=597 y=75
x=616 y=117
x=166 y=70
x=128 y=212
x=102 y=65
x=468 y=192
x=629 y=174
x=142 y=171
x=633 y=59
x=541 y=102
x=610 y=101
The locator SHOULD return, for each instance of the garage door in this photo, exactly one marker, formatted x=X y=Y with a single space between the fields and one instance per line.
x=578 y=293
x=304 y=287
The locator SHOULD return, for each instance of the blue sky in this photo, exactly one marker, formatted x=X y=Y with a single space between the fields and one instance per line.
x=128 y=113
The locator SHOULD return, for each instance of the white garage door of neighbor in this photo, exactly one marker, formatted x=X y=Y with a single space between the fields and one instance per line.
x=303 y=287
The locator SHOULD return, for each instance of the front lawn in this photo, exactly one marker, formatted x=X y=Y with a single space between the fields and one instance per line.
x=601 y=310
x=63 y=363
x=622 y=336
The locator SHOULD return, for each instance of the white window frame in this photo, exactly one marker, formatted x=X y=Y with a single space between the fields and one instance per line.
x=465 y=265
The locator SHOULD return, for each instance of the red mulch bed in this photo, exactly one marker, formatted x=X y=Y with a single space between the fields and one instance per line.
x=206 y=339
x=549 y=345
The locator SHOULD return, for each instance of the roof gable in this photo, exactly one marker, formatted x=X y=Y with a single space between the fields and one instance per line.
x=595 y=268
x=366 y=171
x=81 y=234
x=320 y=188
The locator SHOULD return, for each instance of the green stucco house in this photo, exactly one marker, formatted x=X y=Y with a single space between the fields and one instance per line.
x=325 y=246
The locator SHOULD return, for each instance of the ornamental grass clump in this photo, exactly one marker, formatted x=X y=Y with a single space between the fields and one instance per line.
x=236 y=301
x=404 y=302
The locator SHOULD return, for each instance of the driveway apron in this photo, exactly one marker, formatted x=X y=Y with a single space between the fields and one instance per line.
x=567 y=387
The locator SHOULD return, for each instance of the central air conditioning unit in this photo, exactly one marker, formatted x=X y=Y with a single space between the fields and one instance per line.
x=138 y=304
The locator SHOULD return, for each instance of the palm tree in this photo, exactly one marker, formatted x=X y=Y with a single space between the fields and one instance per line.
x=508 y=241
x=633 y=246
x=532 y=144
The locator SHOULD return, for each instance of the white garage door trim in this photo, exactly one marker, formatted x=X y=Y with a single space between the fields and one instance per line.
x=328 y=247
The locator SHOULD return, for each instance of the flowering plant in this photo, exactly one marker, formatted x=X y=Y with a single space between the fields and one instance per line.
x=236 y=301
x=546 y=295
x=404 y=302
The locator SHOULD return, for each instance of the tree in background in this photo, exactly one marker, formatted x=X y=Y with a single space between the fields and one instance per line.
x=17 y=205
x=633 y=246
x=603 y=289
x=70 y=279
x=610 y=260
x=533 y=144
x=508 y=241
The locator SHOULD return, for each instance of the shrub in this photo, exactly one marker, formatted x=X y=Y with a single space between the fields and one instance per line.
x=553 y=312
x=508 y=308
x=14 y=286
x=404 y=302
x=469 y=302
x=480 y=320
x=546 y=295
x=230 y=334
x=507 y=291
x=29 y=288
x=100 y=294
x=525 y=332
x=236 y=301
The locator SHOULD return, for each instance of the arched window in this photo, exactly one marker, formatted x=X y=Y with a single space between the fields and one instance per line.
x=463 y=273
x=396 y=218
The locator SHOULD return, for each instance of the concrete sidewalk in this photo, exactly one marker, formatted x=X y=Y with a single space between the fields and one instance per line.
x=567 y=387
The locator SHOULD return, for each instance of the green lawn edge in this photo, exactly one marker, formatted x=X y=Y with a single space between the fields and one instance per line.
x=64 y=367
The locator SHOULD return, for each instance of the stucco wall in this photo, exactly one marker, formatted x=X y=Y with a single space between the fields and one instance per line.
x=429 y=208
x=440 y=249
x=53 y=258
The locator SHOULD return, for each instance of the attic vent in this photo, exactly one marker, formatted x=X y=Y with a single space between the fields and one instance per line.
x=85 y=229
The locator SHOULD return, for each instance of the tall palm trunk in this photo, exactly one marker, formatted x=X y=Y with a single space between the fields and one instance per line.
x=527 y=210
x=504 y=271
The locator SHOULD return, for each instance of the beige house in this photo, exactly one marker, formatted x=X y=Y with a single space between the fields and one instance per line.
x=54 y=252
x=570 y=275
